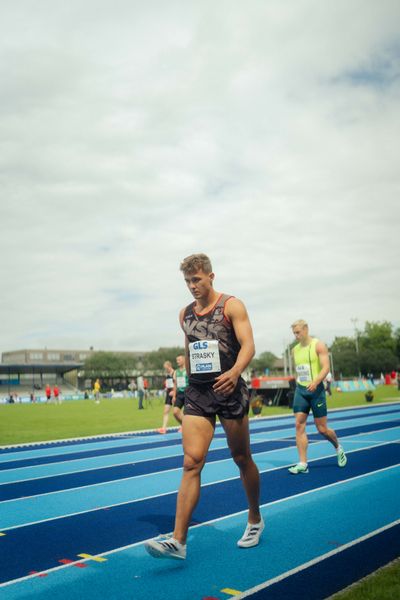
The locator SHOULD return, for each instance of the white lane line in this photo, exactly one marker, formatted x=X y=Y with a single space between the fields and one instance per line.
x=121 y=448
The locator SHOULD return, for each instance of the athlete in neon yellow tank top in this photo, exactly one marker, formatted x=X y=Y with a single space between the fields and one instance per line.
x=311 y=360
x=307 y=362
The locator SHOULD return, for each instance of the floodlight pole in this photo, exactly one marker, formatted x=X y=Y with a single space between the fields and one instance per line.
x=284 y=359
x=290 y=360
x=354 y=321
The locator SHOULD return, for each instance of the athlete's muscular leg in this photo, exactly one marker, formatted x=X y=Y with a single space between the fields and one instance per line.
x=197 y=433
x=237 y=433
x=167 y=408
x=301 y=436
x=178 y=414
x=329 y=434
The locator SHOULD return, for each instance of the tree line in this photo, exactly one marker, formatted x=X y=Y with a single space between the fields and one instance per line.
x=124 y=365
x=376 y=349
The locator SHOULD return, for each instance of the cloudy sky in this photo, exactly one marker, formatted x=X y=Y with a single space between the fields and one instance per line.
x=265 y=134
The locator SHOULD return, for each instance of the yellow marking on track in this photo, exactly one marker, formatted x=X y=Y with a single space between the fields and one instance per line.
x=95 y=558
x=3 y=533
x=231 y=592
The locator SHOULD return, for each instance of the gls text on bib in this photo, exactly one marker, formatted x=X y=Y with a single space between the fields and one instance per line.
x=204 y=357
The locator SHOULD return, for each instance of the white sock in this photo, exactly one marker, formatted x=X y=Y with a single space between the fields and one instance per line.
x=303 y=464
x=339 y=448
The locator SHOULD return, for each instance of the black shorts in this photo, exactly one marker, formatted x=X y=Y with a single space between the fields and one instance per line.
x=304 y=401
x=180 y=399
x=168 y=398
x=202 y=401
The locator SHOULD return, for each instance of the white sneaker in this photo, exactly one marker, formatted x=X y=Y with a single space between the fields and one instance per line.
x=166 y=547
x=251 y=535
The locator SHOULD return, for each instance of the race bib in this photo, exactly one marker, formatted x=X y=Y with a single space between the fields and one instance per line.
x=204 y=357
x=169 y=383
x=180 y=382
x=303 y=373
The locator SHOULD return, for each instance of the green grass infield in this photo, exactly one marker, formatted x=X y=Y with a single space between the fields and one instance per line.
x=24 y=423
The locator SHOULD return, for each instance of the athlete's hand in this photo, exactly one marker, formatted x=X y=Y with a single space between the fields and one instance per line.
x=225 y=383
x=312 y=386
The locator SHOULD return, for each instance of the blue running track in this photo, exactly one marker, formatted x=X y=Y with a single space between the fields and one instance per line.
x=74 y=515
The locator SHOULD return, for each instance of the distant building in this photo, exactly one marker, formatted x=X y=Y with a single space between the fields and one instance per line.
x=45 y=357
x=54 y=357
x=34 y=367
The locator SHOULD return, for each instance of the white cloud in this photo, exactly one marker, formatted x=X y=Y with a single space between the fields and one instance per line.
x=132 y=135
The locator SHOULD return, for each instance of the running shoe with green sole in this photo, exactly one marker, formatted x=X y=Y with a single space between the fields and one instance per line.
x=341 y=458
x=297 y=469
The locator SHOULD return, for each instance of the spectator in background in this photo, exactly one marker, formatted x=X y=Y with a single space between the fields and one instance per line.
x=48 y=392
x=96 y=391
x=146 y=388
x=141 y=390
x=132 y=386
x=57 y=394
x=398 y=381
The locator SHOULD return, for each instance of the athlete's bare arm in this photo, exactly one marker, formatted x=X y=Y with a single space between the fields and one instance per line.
x=236 y=311
x=187 y=364
x=323 y=356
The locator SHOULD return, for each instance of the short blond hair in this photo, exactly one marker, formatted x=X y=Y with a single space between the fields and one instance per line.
x=299 y=323
x=196 y=262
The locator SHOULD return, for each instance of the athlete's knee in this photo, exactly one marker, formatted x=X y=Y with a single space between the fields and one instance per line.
x=193 y=463
x=323 y=429
x=300 y=426
x=242 y=459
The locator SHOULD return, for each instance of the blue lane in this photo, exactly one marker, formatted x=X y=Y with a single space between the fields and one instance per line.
x=105 y=450
x=331 y=517
x=40 y=546
x=29 y=510
x=9 y=491
x=47 y=460
x=66 y=443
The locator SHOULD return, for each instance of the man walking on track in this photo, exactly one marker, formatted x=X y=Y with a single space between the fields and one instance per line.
x=219 y=346
x=311 y=360
x=180 y=384
x=169 y=392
